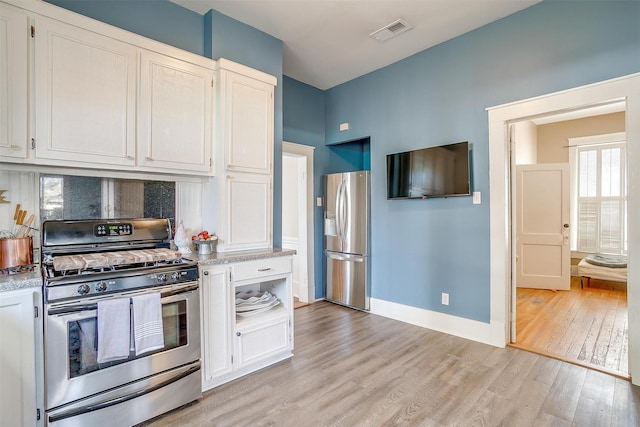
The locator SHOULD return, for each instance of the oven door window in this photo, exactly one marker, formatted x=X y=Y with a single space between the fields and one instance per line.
x=83 y=339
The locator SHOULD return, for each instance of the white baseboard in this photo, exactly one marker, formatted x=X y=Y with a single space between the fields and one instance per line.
x=488 y=333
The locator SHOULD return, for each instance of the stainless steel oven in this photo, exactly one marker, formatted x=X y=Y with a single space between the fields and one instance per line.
x=82 y=391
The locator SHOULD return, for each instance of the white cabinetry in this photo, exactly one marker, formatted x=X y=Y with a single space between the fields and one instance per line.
x=176 y=114
x=246 y=108
x=244 y=162
x=19 y=328
x=246 y=211
x=217 y=323
x=85 y=92
x=14 y=26
x=238 y=343
x=75 y=92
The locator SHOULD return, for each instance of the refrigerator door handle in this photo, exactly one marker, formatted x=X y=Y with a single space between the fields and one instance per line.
x=338 y=257
x=345 y=214
x=339 y=218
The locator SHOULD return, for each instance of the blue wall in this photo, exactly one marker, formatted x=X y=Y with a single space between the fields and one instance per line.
x=421 y=248
x=303 y=123
x=158 y=20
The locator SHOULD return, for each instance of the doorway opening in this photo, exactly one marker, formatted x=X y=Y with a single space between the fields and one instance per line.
x=553 y=230
x=297 y=217
x=627 y=89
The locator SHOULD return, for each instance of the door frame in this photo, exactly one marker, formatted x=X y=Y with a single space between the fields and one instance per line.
x=625 y=88
x=307 y=253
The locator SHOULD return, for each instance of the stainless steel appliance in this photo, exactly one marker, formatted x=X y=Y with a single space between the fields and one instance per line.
x=86 y=262
x=346 y=238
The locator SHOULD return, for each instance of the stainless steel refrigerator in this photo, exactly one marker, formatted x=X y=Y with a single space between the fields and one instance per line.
x=346 y=238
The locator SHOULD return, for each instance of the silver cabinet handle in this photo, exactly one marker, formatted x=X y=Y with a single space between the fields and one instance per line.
x=205 y=273
x=264 y=269
x=238 y=334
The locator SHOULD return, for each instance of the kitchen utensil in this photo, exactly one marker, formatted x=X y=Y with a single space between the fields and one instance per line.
x=25 y=228
x=20 y=221
x=16 y=252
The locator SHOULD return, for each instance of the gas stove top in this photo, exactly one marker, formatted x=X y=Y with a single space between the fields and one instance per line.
x=90 y=258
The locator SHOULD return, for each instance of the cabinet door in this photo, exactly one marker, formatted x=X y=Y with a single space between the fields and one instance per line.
x=248 y=123
x=248 y=212
x=13 y=83
x=18 y=393
x=261 y=341
x=175 y=122
x=85 y=86
x=217 y=323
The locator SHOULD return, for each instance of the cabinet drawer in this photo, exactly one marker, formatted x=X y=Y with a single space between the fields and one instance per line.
x=261 y=268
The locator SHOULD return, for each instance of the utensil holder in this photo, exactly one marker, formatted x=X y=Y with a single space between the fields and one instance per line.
x=16 y=252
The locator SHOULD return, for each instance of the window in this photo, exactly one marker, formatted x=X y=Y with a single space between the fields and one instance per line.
x=599 y=194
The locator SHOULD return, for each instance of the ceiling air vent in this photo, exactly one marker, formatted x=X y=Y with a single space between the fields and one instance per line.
x=391 y=30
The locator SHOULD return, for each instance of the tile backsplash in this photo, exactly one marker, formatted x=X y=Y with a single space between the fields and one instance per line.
x=82 y=197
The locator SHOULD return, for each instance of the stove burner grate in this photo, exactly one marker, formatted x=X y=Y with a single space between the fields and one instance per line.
x=53 y=272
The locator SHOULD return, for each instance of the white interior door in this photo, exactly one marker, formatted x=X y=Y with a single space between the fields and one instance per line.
x=542 y=224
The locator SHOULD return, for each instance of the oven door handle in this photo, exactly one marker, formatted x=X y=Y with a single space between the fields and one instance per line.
x=89 y=307
x=121 y=399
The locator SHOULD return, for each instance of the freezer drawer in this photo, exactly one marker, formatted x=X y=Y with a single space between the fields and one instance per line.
x=347 y=279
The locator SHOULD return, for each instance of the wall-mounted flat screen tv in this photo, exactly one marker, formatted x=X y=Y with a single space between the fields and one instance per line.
x=441 y=171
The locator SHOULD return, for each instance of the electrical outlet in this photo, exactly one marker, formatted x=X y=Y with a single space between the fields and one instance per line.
x=319 y=201
x=445 y=298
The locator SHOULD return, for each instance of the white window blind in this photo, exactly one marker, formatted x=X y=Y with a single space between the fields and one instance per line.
x=600 y=194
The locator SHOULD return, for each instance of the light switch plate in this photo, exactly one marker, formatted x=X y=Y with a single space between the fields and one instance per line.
x=344 y=126
x=477 y=198
x=319 y=201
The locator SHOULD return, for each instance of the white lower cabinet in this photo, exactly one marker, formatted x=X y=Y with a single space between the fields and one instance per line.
x=237 y=343
x=259 y=340
x=216 y=322
x=20 y=343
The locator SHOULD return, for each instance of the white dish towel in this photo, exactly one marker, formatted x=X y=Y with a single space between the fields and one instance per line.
x=114 y=329
x=147 y=323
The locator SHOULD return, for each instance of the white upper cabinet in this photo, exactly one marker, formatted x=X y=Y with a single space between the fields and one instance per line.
x=244 y=158
x=246 y=118
x=176 y=115
x=75 y=92
x=85 y=97
x=248 y=208
x=14 y=35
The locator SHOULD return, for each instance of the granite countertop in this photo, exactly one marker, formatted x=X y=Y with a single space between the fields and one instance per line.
x=33 y=279
x=240 y=256
x=11 y=282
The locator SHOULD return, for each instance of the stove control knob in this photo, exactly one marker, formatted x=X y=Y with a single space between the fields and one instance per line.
x=162 y=277
x=175 y=275
x=84 y=289
x=101 y=287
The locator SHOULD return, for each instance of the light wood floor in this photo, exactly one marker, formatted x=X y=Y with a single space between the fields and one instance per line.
x=357 y=369
x=584 y=326
x=297 y=303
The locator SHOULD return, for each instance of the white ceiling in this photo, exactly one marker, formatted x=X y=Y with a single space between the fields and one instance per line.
x=326 y=42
